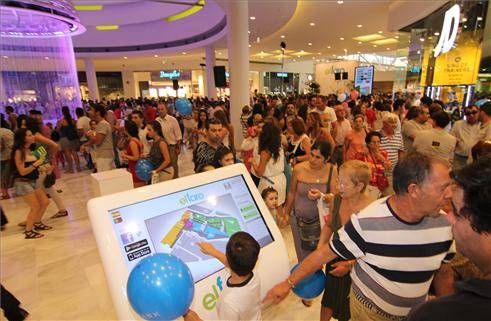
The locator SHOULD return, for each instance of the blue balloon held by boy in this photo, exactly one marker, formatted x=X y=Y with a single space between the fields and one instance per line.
x=310 y=287
x=143 y=169
x=184 y=106
x=160 y=287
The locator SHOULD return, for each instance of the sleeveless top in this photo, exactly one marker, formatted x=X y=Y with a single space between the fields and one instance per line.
x=295 y=149
x=304 y=207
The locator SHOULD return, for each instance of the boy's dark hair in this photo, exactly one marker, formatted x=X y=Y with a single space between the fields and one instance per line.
x=441 y=118
x=79 y=112
x=242 y=253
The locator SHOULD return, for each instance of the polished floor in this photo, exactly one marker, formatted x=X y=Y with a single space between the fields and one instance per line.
x=60 y=277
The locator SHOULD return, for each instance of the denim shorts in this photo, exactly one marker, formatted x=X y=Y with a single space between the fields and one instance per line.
x=24 y=187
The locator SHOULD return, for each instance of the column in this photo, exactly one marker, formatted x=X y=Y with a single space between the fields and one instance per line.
x=91 y=79
x=128 y=84
x=238 y=62
x=211 y=90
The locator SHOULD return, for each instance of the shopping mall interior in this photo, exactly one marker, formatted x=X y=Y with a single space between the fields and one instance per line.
x=163 y=61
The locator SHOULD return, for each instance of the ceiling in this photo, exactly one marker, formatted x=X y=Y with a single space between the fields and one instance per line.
x=312 y=30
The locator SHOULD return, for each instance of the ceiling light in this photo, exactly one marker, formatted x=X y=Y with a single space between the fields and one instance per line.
x=359 y=26
x=397 y=37
x=258 y=39
x=219 y=53
x=436 y=33
x=312 y=24
x=464 y=19
x=357 y=52
x=252 y=18
x=422 y=39
x=359 y=42
x=294 y=60
x=370 y=37
x=47 y=58
x=341 y=38
x=310 y=44
x=5 y=57
x=156 y=56
x=250 y=46
x=418 y=52
x=387 y=48
x=301 y=51
x=200 y=4
x=333 y=55
x=479 y=18
x=107 y=27
x=340 y=2
x=125 y=57
x=183 y=52
x=88 y=7
x=318 y=53
x=248 y=31
x=374 y=46
x=328 y=47
x=380 y=31
x=282 y=36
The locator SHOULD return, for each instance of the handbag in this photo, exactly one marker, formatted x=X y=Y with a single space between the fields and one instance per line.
x=49 y=180
x=309 y=232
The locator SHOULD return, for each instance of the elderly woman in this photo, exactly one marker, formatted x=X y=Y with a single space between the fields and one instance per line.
x=353 y=179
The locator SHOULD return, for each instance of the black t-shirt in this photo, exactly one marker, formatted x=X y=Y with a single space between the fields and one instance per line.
x=471 y=302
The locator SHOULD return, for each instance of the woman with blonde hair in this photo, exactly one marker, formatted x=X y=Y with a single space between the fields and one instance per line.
x=353 y=179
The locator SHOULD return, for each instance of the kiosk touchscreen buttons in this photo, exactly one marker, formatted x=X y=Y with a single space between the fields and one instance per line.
x=171 y=217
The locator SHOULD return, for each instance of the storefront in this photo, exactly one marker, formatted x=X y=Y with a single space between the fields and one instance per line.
x=280 y=83
x=445 y=51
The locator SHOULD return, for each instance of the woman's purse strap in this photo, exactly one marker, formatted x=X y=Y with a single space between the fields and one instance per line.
x=328 y=189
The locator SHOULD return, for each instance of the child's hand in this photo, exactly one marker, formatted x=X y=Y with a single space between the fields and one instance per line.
x=206 y=248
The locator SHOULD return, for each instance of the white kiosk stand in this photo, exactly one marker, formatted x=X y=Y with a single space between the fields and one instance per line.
x=171 y=217
x=113 y=181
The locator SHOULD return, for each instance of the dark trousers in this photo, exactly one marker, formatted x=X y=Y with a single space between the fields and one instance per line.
x=173 y=159
x=10 y=306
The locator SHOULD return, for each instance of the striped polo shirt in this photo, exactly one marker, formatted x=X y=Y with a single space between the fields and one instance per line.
x=392 y=145
x=395 y=260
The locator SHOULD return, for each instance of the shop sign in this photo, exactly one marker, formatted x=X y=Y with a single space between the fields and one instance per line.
x=449 y=31
x=170 y=75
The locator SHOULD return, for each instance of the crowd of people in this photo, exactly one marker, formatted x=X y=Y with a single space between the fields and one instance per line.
x=363 y=183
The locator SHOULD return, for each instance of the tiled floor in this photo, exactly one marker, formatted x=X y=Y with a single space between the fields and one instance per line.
x=60 y=277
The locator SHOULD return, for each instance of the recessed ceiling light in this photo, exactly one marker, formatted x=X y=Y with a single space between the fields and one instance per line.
x=340 y=2
x=312 y=24
x=301 y=50
x=357 y=52
x=294 y=60
x=252 y=18
x=310 y=44
x=464 y=19
x=397 y=37
x=156 y=56
x=359 y=26
x=107 y=27
x=125 y=57
x=341 y=38
x=422 y=39
x=282 y=36
x=436 y=33
x=258 y=39
x=387 y=48
x=248 y=31
x=47 y=58
x=359 y=42
x=328 y=47
x=479 y=18
x=219 y=53
x=250 y=46
x=418 y=52
x=430 y=37
x=318 y=53
x=5 y=57
x=374 y=46
x=380 y=31
x=183 y=52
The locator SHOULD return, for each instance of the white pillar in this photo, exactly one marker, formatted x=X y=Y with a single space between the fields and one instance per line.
x=128 y=84
x=238 y=62
x=91 y=79
x=211 y=90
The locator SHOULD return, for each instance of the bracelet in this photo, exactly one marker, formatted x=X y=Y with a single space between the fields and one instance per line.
x=292 y=285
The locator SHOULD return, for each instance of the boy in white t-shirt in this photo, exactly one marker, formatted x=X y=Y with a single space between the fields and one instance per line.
x=240 y=298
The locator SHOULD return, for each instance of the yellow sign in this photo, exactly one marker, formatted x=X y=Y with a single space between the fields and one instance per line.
x=459 y=66
x=424 y=66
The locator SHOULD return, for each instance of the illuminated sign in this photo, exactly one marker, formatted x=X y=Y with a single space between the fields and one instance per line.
x=170 y=75
x=364 y=79
x=449 y=31
x=282 y=74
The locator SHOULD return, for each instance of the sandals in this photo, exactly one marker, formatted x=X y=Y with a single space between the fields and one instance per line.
x=42 y=227
x=60 y=214
x=33 y=235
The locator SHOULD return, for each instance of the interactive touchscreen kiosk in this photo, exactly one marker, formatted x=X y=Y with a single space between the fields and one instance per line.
x=171 y=217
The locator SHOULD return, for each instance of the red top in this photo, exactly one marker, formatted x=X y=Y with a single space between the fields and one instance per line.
x=132 y=164
x=150 y=114
x=376 y=166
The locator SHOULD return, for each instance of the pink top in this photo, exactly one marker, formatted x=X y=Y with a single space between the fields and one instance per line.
x=356 y=144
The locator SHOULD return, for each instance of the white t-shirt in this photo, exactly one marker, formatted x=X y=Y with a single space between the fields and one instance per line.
x=240 y=301
x=142 y=135
x=330 y=111
x=84 y=124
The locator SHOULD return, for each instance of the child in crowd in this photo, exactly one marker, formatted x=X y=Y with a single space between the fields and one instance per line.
x=270 y=197
x=246 y=113
x=241 y=297
x=223 y=157
x=247 y=147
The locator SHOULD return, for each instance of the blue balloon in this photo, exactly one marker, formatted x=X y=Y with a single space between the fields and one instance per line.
x=310 y=287
x=184 y=106
x=143 y=169
x=160 y=287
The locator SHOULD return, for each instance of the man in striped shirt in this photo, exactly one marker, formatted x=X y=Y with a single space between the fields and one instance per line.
x=391 y=142
x=398 y=242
